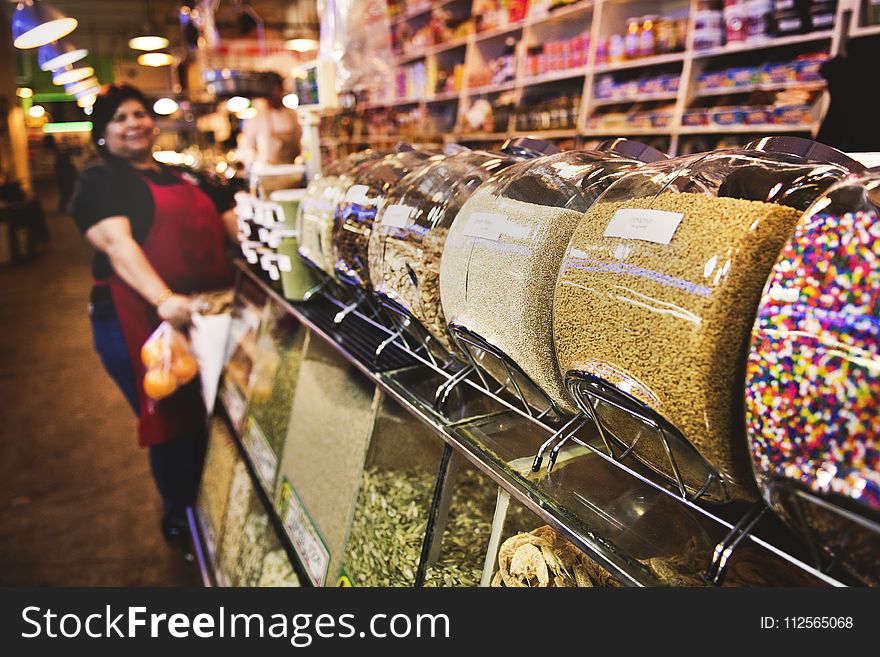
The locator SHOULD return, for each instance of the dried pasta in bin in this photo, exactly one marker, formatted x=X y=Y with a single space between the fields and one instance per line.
x=813 y=375
x=658 y=290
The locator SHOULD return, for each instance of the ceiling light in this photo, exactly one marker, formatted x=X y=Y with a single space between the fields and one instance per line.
x=165 y=106
x=36 y=23
x=237 y=104
x=301 y=45
x=88 y=109
x=151 y=42
x=71 y=75
x=155 y=59
x=58 y=54
x=24 y=92
x=77 y=88
x=87 y=101
x=247 y=113
x=291 y=101
x=36 y=111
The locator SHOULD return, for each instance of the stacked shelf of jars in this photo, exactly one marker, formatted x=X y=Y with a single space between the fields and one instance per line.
x=688 y=72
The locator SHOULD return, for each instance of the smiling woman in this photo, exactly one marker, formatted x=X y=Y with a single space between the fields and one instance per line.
x=160 y=237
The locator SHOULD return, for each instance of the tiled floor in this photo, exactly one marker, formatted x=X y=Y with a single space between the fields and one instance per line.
x=77 y=504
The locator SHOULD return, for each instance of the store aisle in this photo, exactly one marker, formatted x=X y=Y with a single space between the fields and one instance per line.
x=77 y=503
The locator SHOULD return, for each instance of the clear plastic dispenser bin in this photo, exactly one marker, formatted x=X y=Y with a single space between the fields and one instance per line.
x=315 y=220
x=354 y=215
x=502 y=256
x=657 y=293
x=813 y=377
x=408 y=237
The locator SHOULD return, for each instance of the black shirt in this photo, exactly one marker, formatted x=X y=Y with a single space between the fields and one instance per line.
x=113 y=188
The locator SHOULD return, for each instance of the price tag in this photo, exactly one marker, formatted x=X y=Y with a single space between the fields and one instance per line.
x=306 y=540
x=648 y=225
x=263 y=458
x=233 y=402
x=398 y=216
x=357 y=194
x=486 y=225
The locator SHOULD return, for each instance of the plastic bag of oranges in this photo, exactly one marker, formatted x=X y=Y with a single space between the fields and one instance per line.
x=169 y=361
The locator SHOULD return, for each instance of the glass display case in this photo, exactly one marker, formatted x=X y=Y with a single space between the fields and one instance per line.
x=502 y=255
x=812 y=381
x=657 y=293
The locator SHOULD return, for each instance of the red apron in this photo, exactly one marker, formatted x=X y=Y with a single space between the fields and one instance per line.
x=186 y=247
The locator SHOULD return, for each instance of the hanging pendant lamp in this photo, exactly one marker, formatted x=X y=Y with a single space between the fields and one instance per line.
x=36 y=23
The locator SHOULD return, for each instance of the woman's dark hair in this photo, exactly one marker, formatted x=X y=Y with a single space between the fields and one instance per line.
x=107 y=102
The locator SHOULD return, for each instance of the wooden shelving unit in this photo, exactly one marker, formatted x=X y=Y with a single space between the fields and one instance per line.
x=600 y=19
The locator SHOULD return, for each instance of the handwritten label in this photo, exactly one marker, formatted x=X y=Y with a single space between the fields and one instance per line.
x=398 y=216
x=486 y=225
x=263 y=458
x=649 y=225
x=233 y=402
x=306 y=540
x=357 y=194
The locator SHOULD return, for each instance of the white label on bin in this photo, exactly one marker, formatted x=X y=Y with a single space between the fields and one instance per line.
x=357 y=194
x=309 y=544
x=398 y=216
x=234 y=403
x=263 y=458
x=486 y=225
x=649 y=225
x=284 y=263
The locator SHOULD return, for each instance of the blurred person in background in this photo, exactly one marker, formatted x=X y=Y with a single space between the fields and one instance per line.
x=273 y=136
x=160 y=235
x=64 y=169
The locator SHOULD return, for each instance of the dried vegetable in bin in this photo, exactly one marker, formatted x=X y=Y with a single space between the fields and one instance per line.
x=813 y=373
x=658 y=291
x=354 y=216
x=315 y=219
x=387 y=530
x=408 y=237
x=502 y=256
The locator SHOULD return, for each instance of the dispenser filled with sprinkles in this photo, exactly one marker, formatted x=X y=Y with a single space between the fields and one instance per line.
x=813 y=374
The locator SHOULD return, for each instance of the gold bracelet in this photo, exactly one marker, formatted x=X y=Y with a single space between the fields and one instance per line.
x=162 y=298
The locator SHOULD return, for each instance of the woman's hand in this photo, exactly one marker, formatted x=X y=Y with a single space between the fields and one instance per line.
x=176 y=310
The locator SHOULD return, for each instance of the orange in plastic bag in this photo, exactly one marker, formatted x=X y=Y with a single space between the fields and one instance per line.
x=170 y=364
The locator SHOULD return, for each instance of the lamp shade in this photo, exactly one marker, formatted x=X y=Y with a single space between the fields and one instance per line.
x=71 y=75
x=35 y=23
x=59 y=54
x=78 y=87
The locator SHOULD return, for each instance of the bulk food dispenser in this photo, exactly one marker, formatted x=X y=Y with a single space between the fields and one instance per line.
x=656 y=296
x=501 y=259
x=813 y=378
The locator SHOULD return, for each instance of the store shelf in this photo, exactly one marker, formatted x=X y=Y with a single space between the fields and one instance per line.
x=415 y=13
x=482 y=136
x=501 y=31
x=770 y=86
x=411 y=57
x=864 y=31
x=618 y=132
x=763 y=129
x=569 y=501
x=579 y=8
x=449 y=45
x=642 y=98
x=642 y=62
x=490 y=88
x=553 y=76
x=444 y=97
x=390 y=103
x=765 y=44
x=547 y=134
